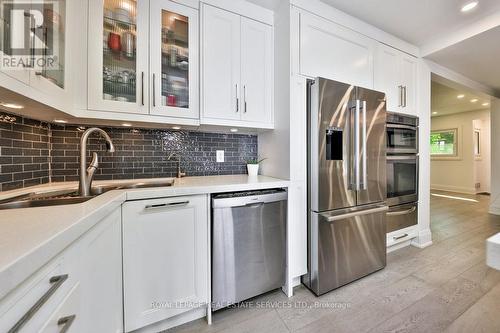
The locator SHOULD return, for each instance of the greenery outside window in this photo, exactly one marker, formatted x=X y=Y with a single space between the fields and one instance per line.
x=444 y=142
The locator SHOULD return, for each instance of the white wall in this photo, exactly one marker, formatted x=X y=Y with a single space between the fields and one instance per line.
x=495 y=157
x=460 y=173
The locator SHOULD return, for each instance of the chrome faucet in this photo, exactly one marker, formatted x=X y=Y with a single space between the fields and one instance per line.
x=179 y=173
x=87 y=174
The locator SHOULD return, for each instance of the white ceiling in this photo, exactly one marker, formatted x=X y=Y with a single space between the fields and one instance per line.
x=444 y=100
x=269 y=4
x=476 y=58
x=416 y=21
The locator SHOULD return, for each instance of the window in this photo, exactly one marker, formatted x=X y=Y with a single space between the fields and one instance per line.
x=444 y=142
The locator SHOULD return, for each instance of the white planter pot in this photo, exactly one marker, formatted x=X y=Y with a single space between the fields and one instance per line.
x=253 y=169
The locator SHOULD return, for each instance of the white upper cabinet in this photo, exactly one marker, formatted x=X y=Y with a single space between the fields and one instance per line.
x=237 y=70
x=39 y=57
x=257 y=71
x=143 y=58
x=396 y=76
x=174 y=59
x=118 y=56
x=221 y=64
x=331 y=51
x=409 y=82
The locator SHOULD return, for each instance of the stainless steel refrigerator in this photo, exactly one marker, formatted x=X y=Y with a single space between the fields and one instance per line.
x=346 y=184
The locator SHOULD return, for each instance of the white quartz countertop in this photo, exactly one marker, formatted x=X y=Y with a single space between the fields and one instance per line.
x=493 y=251
x=30 y=237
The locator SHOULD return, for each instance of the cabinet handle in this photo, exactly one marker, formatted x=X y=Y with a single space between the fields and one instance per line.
x=245 y=98
x=66 y=322
x=400 y=88
x=405 y=96
x=142 y=88
x=237 y=99
x=154 y=89
x=56 y=282
x=165 y=205
x=32 y=40
x=400 y=237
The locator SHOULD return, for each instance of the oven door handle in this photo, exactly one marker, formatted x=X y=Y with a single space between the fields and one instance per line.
x=413 y=128
x=401 y=157
x=402 y=212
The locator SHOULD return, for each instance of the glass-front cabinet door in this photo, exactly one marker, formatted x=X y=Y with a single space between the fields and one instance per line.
x=118 y=55
x=174 y=59
x=15 y=43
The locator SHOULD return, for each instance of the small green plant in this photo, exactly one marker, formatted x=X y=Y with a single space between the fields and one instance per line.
x=254 y=161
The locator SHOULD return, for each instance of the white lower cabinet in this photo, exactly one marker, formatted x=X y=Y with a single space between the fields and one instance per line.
x=101 y=276
x=165 y=258
x=79 y=290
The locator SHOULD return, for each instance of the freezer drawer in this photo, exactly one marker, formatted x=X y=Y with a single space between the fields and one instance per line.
x=248 y=245
x=402 y=216
x=345 y=245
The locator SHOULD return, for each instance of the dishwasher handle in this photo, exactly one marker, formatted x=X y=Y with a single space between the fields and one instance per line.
x=246 y=201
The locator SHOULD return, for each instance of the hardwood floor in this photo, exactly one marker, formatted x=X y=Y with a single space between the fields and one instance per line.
x=443 y=288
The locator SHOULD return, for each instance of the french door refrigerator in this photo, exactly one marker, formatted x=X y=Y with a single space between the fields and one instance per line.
x=346 y=184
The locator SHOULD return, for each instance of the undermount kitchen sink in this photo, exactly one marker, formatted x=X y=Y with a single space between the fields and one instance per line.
x=71 y=196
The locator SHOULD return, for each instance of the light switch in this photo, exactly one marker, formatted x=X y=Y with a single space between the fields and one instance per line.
x=220 y=156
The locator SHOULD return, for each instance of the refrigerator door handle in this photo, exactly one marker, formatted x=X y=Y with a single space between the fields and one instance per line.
x=365 y=173
x=357 y=147
x=334 y=218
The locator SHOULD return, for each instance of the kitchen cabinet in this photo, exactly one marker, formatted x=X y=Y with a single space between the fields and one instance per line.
x=165 y=258
x=334 y=52
x=237 y=70
x=118 y=56
x=100 y=253
x=56 y=31
x=396 y=75
x=82 y=286
x=174 y=59
x=143 y=58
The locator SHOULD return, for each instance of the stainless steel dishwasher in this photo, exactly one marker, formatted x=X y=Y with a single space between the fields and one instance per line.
x=248 y=244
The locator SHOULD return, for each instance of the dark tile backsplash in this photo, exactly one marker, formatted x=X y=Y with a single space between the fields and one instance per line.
x=26 y=159
x=24 y=152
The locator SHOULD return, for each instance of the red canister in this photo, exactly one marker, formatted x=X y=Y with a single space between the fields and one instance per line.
x=114 y=42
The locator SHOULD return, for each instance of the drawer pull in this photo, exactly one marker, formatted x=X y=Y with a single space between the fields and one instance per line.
x=402 y=212
x=66 y=322
x=400 y=237
x=56 y=282
x=166 y=205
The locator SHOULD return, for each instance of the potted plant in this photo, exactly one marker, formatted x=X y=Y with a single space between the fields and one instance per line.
x=253 y=166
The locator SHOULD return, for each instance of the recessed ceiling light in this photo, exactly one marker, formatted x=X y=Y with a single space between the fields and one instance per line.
x=234 y=130
x=176 y=127
x=434 y=112
x=485 y=104
x=12 y=105
x=460 y=96
x=60 y=121
x=474 y=100
x=469 y=6
x=126 y=125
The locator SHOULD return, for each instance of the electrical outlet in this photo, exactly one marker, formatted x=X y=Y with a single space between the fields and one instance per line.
x=220 y=156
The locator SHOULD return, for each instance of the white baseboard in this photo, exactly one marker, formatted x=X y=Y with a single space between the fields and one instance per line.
x=451 y=188
x=424 y=239
x=494 y=210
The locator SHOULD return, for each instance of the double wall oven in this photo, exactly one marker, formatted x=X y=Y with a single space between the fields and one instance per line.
x=402 y=171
